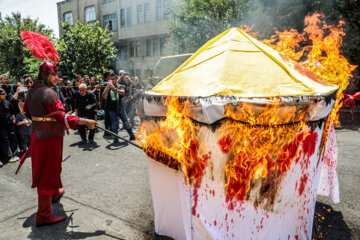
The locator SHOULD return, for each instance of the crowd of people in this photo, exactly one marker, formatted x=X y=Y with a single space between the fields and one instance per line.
x=111 y=98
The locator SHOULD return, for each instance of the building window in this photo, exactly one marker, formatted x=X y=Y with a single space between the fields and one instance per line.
x=166 y=9
x=68 y=17
x=158 y=9
x=105 y=1
x=132 y=49
x=138 y=48
x=139 y=14
x=111 y=22
x=148 y=48
x=162 y=47
x=147 y=12
x=156 y=47
x=123 y=52
x=122 y=17
x=90 y=14
x=128 y=16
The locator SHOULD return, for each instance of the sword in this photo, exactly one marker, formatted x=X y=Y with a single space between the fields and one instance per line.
x=23 y=159
x=105 y=130
x=114 y=134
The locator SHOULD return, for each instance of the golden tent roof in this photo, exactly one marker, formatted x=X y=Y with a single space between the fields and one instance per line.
x=235 y=64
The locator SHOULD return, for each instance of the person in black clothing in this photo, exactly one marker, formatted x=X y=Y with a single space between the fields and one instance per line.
x=5 y=85
x=24 y=130
x=104 y=103
x=94 y=87
x=8 y=140
x=85 y=105
x=126 y=100
x=113 y=94
x=27 y=81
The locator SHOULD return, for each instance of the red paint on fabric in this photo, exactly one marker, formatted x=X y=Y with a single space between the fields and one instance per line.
x=195 y=169
x=303 y=181
x=215 y=223
x=196 y=196
x=297 y=237
x=226 y=143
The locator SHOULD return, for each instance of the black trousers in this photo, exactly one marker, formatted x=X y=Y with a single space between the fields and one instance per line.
x=8 y=144
x=24 y=142
x=107 y=120
x=83 y=130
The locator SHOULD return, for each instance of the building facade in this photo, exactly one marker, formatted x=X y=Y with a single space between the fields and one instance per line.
x=139 y=27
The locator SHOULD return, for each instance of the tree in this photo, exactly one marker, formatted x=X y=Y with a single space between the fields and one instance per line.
x=197 y=21
x=85 y=49
x=15 y=58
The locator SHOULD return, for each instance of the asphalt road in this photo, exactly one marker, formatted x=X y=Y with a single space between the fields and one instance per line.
x=108 y=194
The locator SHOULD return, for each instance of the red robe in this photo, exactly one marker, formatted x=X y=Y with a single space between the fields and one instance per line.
x=46 y=151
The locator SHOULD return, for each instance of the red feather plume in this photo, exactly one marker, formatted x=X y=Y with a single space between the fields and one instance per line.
x=39 y=46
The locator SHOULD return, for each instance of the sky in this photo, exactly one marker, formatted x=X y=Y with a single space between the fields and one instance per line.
x=44 y=10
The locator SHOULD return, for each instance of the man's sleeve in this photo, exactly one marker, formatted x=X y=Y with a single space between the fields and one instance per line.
x=61 y=117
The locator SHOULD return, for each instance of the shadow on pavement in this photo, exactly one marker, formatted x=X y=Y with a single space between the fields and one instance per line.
x=89 y=146
x=59 y=231
x=85 y=146
x=116 y=146
x=329 y=224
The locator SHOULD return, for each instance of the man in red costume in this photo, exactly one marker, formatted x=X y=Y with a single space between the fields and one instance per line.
x=50 y=120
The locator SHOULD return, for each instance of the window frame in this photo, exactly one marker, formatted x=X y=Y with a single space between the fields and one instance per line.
x=147 y=20
x=113 y=20
x=159 y=10
x=122 y=17
x=128 y=16
x=72 y=17
x=140 y=15
x=167 y=9
x=86 y=8
x=149 y=48
x=156 y=47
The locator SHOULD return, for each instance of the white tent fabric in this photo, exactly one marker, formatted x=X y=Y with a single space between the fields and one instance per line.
x=174 y=201
x=329 y=184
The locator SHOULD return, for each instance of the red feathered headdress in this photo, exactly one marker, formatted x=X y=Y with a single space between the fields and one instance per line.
x=40 y=46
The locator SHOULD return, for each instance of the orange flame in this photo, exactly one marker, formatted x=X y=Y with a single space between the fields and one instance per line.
x=323 y=52
x=262 y=146
x=175 y=139
x=274 y=135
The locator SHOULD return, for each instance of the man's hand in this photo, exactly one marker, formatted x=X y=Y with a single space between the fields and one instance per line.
x=91 y=124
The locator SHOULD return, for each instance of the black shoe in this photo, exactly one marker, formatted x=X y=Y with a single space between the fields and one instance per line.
x=116 y=140
x=82 y=142
x=132 y=138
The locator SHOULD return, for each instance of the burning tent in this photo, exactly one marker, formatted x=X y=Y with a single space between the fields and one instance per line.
x=236 y=140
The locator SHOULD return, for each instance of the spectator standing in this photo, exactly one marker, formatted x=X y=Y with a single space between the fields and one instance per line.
x=27 y=81
x=106 y=104
x=19 y=96
x=6 y=86
x=94 y=87
x=86 y=80
x=85 y=105
x=112 y=94
x=24 y=129
x=8 y=140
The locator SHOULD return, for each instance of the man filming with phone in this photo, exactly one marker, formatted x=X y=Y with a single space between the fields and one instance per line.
x=113 y=94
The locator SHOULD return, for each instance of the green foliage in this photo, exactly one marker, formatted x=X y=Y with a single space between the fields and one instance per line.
x=15 y=58
x=197 y=21
x=85 y=49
